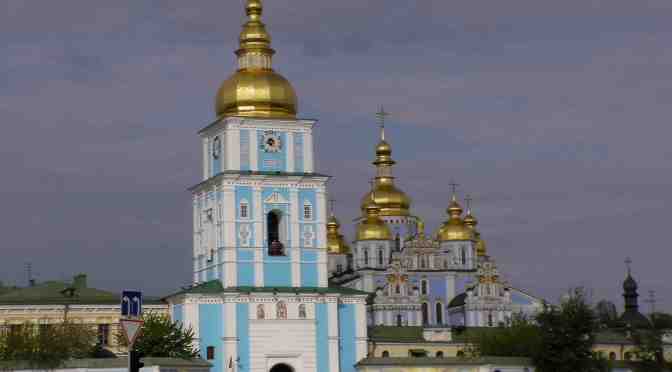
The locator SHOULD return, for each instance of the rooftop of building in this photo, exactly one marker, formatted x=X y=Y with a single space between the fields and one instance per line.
x=445 y=361
x=60 y=293
x=216 y=287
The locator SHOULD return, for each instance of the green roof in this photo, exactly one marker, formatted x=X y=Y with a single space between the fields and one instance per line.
x=61 y=293
x=445 y=361
x=396 y=334
x=121 y=362
x=216 y=287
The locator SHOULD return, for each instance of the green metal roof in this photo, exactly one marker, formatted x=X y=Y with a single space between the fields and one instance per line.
x=396 y=334
x=215 y=287
x=61 y=293
x=445 y=361
x=121 y=362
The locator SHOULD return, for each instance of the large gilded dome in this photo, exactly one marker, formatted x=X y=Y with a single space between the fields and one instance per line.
x=455 y=228
x=255 y=89
x=256 y=93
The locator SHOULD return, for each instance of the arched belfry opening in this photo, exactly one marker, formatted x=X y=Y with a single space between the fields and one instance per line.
x=282 y=367
x=274 y=237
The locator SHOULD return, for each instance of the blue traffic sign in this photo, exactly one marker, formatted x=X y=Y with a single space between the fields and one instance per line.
x=131 y=304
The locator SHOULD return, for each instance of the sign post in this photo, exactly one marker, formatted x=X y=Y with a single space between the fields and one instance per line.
x=131 y=325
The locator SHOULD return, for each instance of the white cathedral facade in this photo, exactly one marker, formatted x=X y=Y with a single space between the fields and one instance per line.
x=275 y=285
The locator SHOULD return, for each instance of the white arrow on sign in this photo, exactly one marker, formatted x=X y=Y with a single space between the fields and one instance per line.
x=132 y=329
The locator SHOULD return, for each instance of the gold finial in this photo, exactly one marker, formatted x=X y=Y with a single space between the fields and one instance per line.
x=254 y=8
x=453 y=186
x=381 y=115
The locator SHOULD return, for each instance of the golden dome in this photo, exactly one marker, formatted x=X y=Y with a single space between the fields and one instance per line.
x=390 y=200
x=373 y=228
x=255 y=90
x=455 y=228
x=481 y=248
x=335 y=242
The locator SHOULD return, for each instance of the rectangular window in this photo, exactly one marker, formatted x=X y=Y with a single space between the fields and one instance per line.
x=210 y=353
x=243 y=211
x=307 y=212
x=103 y=334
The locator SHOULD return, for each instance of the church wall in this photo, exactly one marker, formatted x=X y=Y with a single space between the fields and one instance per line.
x=309 y=274
x=298 y=153
x=348 y=336
x=211 y=326
x=322 y=336
x=245 y=150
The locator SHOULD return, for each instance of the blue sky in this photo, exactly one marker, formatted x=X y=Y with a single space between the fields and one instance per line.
x=554 y=115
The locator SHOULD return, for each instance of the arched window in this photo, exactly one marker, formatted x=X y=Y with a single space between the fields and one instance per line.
x=399 y=320
x=439 y=313
x=425 y=313
x=612 y=356
x=244 y=209
x=397 y=242
x=460 y=354
x=423 y=262
x=423 y=287
x=380 y=257
x=366 y=257
x=627 y=355
x=275 y=247
x=302 y=311
x=439 y=354
x=339 y=268
x=397 y=289
x=386 y=354
x=490 y=321
x=464 y=256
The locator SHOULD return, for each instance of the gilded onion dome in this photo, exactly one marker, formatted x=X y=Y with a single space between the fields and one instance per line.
x=455 y=228
x=255 y=90
x=391 y=200
x=471 y=222
x=372 y=227
x=335 y=242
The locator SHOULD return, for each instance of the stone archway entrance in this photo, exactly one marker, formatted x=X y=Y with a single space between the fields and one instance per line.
x=282 y=367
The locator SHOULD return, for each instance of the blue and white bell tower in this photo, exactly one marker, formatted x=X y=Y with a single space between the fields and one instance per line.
x=260 y=300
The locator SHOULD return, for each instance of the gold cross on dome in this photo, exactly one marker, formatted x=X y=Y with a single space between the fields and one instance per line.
x=454 y=186
x=628 y=262
x=468 y=200
x=381 y=115
x=332 y=202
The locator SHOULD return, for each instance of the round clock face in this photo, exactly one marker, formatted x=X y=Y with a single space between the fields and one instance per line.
x=271 y=142
x=216 y=148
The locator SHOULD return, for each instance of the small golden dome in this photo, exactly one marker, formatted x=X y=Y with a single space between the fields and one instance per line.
x=390 y=200
x=383 y=148
x=255 y=90
x=470 y=220
x=373 y=228
x=335 y=242
x=455 y=228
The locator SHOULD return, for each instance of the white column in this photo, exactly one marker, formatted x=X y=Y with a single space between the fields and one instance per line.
x=290 y=152
x=258 y=216
x=254 y=150
x=230 y=278
x=334 y=357
x=308 y=152
x=361 y=330
x=206 y=159
x=230 y=332
x=233 y=148
x=321 y=241
x=450 y=287
x=295 y=237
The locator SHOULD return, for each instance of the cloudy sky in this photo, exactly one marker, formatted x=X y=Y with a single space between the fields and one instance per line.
x=555 y=115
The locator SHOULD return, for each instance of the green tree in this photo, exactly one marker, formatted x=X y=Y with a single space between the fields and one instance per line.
x=567 y=336
x=520 y=339
x=649 y=349
x=161 y=337
x=47 y=346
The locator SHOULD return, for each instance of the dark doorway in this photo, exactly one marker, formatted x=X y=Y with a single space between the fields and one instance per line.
x=275 y=248
x=282 y=367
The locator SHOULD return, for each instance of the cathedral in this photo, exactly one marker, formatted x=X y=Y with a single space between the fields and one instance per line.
x=276 y=286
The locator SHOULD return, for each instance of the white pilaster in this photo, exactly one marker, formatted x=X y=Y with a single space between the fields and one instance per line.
x=191 y=319
x=334 y=357
x=230 y=332
x=295 y=237
x=258 y=216
x=290 y=152
x=308 y=152
x=254 y=150
x=230 y=233
x=206 y=159
x=233 y=148
x=450 y=287
x=361 y=330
